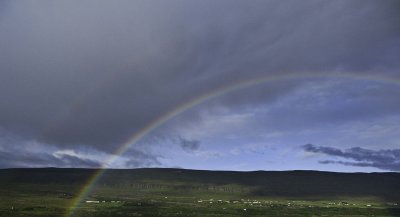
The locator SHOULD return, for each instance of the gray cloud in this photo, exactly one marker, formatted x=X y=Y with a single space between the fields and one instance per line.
x=30 y=153
x=387 y=159
x=138 y=158
x=385 y=166
x=12 y=159
x=330 y=103
x=85 y=73
x=189 y=145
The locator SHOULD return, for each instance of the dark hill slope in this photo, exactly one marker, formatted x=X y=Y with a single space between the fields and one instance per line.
x=293 y=184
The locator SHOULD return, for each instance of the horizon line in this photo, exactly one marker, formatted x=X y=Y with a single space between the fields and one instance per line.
x=191 y=169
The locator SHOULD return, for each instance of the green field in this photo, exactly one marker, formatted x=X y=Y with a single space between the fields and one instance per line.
x=178 y=192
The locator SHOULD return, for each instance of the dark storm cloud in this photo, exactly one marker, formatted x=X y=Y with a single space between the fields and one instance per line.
x=387 y=159
x=94 y=72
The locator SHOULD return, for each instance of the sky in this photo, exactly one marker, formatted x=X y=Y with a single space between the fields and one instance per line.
x=216 y=85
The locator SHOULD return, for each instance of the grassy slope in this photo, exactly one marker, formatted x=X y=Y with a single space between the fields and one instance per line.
x=287 y=183
x=48 y=192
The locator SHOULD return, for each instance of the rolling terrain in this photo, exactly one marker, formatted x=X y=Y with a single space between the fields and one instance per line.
x=180 y=192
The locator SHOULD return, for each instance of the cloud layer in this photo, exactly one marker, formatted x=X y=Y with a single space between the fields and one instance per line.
x=386 y=159
x=26 y=159
x=88 y=74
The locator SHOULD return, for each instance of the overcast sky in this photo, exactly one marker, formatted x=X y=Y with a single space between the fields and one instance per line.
x=79 y=78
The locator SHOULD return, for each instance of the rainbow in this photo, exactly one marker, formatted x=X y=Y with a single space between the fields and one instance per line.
x=86 y=189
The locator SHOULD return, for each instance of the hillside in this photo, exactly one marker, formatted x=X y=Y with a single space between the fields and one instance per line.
x=289 y=184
